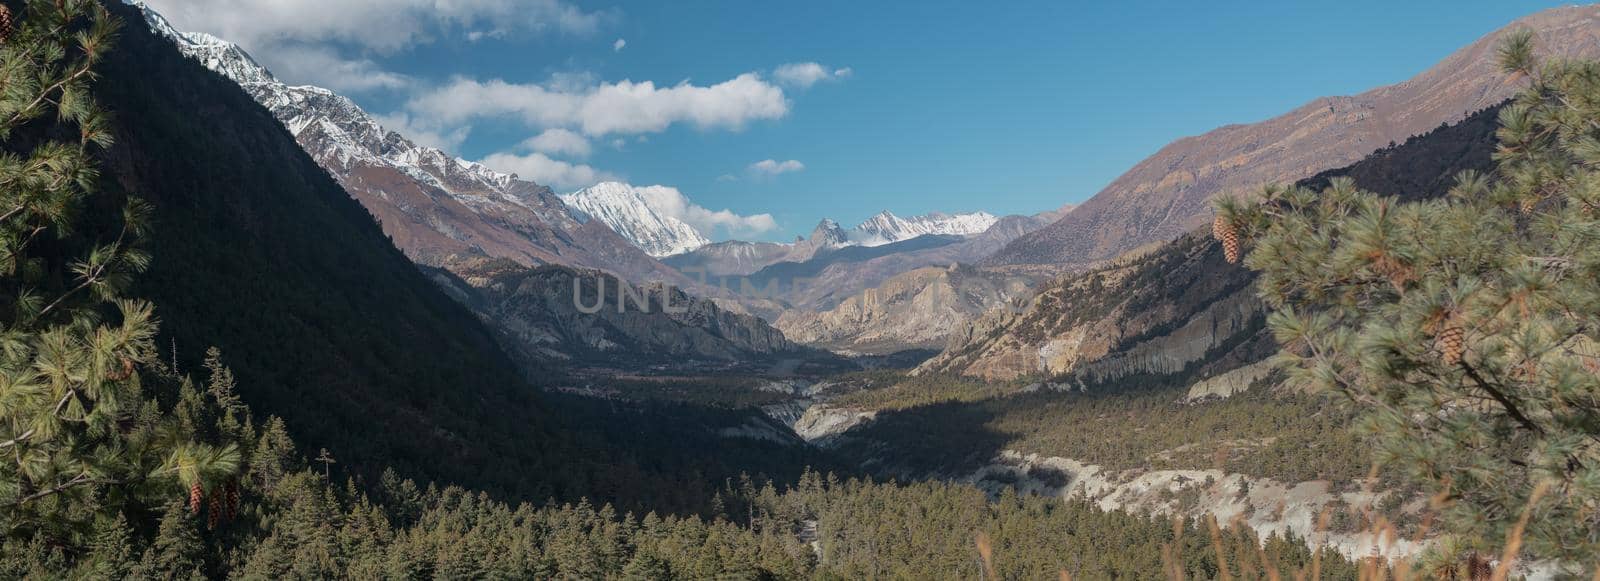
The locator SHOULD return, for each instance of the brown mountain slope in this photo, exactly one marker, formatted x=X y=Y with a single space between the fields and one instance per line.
x=1166 y=194
x=1181 y=311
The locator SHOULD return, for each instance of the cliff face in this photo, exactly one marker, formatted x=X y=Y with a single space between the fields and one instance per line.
x=1166 y=194
x=1181 y=308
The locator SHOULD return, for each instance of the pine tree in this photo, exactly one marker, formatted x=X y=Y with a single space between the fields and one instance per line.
x=176 y=552
x=1466 y=329
x=75 y=422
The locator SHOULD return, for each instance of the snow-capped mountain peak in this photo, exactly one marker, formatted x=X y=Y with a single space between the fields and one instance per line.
x=438 y=208
x=637 y=214
x=885 y=227
x=342 y=136
x=216 y=54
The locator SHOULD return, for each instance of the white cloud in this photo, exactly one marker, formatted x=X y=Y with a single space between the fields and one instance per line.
x=423 y=133
x=669 y=201
x=297 y=38
x=772 y=167
x=617 y=46
x=803 y=75
x=538 y=167
x=624 y=107
x=378 y=25
x=559 y=142
x=325 y=68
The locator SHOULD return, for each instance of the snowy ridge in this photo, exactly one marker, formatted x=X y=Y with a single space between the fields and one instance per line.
x=885 y=227
x=630 y=212
x=341 y=136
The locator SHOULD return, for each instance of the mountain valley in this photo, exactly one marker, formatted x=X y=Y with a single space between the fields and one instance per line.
x=259 y=329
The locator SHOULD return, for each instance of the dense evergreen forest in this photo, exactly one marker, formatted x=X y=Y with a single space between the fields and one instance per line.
x=281 y=515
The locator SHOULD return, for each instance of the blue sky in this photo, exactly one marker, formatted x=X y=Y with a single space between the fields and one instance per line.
x=1009 y=107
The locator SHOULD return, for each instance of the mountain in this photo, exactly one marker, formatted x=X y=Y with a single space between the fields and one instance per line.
x=456 y=214
x=257 y=251
x=1182 y=311
x=730 y=258
x=843 y=278
x=1166 y=194
x=885 y=227
x=432 y=204
x=916 y=309
x=590 y=318
x=740 y=258
x=857 y=305
x=629 y=211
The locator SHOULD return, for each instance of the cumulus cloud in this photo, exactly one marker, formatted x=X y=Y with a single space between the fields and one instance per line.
x=538 y=167
x=325 y=68
x=559 y=142
x=617 y=46
x=624 y=107
x=803 y=75
x=771 y=167
x=295 y=38
x=671 y=202
x=424 y=133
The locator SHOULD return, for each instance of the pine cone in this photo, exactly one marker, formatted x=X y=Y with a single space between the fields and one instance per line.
x=214 y=511
x=1224 y=232
x=124 y=373
x=6 y=24
x=1451 y=343
x=233 y=498
x=1478 y=568
x=196 y=494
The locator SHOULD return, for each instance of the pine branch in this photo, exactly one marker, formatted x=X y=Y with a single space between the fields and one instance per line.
x=14 y=441
x=79 y=480
x=1505 y=402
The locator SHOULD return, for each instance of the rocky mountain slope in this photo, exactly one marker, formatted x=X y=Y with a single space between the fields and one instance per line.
x=833 y=297
x=626 y=210
x=432 y=204
x=1166 y=194
x=592 y=318
x=916 y=309
x=841 y=279
x=1181 y=309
